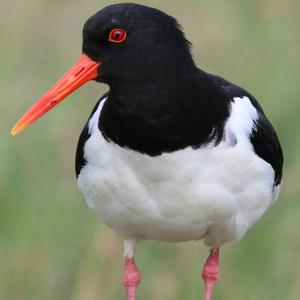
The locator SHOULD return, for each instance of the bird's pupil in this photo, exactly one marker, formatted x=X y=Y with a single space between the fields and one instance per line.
x=117 y=35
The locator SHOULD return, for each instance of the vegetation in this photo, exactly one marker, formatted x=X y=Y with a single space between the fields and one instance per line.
x=51 y=245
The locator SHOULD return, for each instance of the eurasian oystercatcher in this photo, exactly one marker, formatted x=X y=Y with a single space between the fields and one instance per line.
x=171 y=152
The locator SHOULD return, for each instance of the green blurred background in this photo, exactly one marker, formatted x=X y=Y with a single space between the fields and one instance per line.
x=51 y=245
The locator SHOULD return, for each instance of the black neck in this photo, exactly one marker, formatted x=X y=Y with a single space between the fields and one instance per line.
x=152 y=94
x=170 y=112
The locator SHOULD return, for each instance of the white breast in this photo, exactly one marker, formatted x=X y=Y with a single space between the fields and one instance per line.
x=215 y=192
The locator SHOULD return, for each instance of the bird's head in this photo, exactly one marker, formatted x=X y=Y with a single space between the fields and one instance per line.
x=121 y=43
x=134 y=41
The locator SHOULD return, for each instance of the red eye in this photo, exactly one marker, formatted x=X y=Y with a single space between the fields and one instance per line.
x=117 y=35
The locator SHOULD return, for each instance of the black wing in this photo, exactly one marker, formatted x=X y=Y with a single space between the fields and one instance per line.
x=263 y=138
x=84 y=136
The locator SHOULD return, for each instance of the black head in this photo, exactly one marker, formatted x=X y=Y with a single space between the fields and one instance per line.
x=128 y=46
x=153 y=43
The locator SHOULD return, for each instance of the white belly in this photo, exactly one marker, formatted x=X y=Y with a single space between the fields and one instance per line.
x=215 y=193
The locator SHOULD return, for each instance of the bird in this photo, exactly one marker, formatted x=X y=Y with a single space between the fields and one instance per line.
x=171 y=152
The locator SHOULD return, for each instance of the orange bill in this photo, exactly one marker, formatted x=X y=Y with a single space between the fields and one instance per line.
x=83 y=71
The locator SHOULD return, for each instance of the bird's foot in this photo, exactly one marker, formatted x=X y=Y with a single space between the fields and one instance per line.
x=131 y=278
x=210 y=273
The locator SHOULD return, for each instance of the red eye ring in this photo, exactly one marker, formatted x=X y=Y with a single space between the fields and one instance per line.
x=117 y=35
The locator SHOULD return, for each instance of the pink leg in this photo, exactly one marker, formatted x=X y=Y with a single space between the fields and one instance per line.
x=131 y=278
x=210 y=273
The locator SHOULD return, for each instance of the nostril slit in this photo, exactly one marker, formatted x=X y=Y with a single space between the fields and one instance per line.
x=79 y=71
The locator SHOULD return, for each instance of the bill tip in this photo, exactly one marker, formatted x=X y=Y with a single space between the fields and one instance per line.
x=15 y=130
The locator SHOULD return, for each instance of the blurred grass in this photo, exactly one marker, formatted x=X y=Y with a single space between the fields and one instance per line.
x=51 y=246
